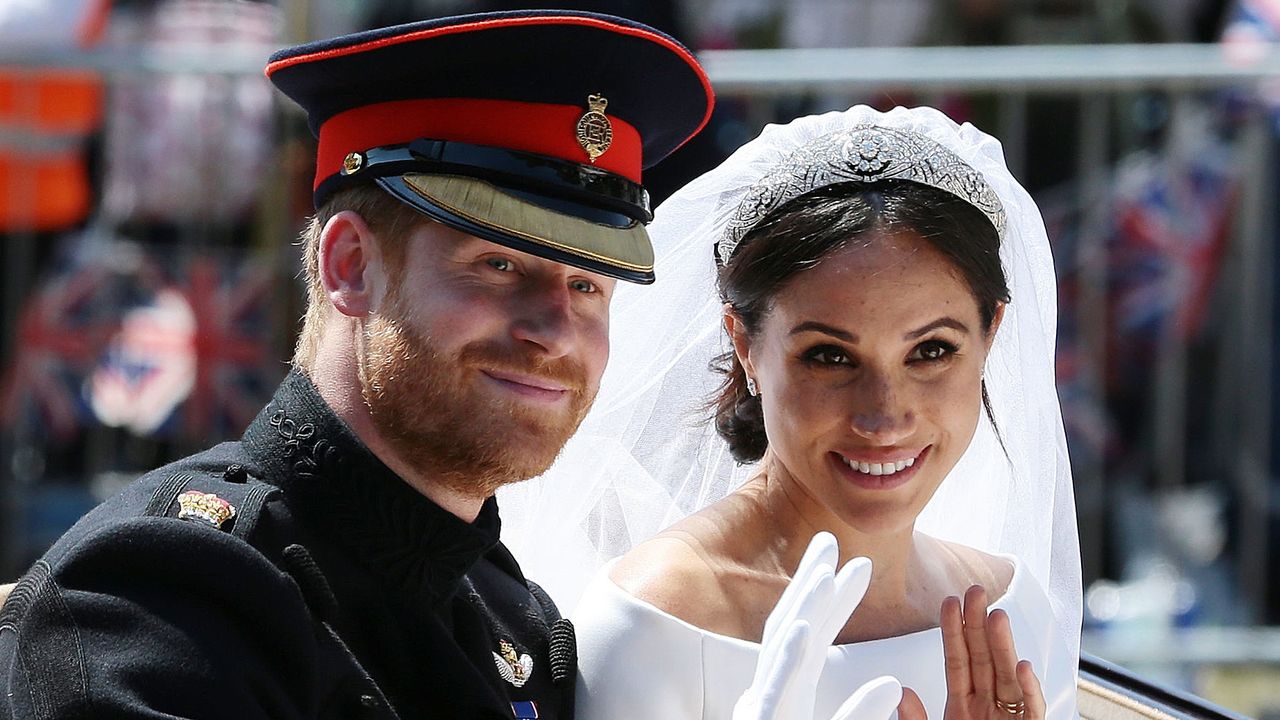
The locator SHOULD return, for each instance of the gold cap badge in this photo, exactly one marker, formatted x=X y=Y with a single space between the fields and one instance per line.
x=515 y=670
x=352 y=163
x=205 y=507
x=595 y=132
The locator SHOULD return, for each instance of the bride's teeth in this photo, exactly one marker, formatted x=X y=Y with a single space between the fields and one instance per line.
x=887 y=468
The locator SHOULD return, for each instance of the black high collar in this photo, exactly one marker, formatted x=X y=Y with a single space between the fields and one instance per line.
x=329 y=476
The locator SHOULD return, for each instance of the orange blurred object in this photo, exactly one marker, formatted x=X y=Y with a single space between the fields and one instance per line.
x=46 y=115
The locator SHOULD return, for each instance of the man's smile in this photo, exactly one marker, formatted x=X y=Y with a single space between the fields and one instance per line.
x=532 y=387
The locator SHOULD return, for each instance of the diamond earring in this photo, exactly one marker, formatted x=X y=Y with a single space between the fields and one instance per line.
x=751 y=387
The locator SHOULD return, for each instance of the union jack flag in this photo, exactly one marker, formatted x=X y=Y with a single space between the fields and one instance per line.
x=197 y=359
x=61 y=331
x=185 y=348
x=1173 y=216
x=1249 y=37
x=1252 y=21
x=149 y=366
x=237 y=363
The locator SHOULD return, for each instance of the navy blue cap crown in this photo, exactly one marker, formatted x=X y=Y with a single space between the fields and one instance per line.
x=502 y=98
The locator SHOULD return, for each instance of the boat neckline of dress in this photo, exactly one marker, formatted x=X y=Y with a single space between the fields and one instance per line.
x=1000 y=602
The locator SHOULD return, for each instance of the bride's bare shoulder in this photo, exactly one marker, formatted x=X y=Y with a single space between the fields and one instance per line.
x=677 y=571
x=975 y=567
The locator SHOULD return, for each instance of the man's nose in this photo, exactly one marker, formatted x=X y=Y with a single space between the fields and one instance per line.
x=544 y=317
x=880 y=413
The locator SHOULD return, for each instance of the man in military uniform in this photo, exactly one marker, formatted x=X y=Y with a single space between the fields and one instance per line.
x=477 y=195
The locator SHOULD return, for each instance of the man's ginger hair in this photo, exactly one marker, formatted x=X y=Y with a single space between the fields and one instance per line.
x=391 y=222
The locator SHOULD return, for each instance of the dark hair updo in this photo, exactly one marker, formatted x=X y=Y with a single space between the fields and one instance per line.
x=801 y=233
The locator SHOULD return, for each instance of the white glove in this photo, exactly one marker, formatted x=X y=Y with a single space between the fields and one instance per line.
x=802 y=626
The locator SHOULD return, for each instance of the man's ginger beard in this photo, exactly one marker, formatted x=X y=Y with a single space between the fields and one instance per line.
x=439 y=419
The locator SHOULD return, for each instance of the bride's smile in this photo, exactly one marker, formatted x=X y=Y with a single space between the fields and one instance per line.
x=879 y=475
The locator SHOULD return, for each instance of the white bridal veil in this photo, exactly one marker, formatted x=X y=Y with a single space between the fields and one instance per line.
x=648 y=453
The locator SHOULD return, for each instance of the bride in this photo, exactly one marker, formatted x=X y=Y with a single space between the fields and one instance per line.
x=877 y=294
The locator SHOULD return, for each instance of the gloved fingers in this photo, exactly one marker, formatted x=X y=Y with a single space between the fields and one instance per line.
x=811 y=608
x=780 y=671
x=807 y=597
x=875 y=700
x=817 y=587
x=799 y=598
x=815 y=610
x=746 y=708
x=814 y=603
x=822 y=551
x=808 y=594
x=849 y=588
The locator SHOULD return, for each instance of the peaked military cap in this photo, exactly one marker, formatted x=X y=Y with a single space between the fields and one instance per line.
x=529 y=129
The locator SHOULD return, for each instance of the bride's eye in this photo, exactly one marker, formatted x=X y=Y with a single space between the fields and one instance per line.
x=932 y=351
x=827 y=355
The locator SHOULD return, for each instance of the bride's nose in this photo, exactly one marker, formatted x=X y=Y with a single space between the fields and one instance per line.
x=880 y=413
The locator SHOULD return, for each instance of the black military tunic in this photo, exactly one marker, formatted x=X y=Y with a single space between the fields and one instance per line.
x=335 y=590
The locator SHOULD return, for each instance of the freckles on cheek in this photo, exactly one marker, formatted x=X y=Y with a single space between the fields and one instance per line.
x=961 y=399
x=803 y=404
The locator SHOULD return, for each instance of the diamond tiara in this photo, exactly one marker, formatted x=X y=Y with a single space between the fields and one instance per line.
x=866 y=153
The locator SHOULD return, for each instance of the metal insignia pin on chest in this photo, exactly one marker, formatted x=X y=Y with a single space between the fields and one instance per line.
x=513 y=669
x=204 y=507
x=595 y=131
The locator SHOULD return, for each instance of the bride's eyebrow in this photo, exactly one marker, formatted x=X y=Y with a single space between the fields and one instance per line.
x=814 y=326
x=947 y=322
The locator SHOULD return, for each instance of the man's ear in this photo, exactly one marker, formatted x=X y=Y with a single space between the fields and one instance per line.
x=738 y=336
x=350 y=265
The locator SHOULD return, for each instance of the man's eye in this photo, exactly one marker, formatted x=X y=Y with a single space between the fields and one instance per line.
x=501 y=264
x=583 y=286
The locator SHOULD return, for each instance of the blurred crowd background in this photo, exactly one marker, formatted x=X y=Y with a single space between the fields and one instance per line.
x=152 y=186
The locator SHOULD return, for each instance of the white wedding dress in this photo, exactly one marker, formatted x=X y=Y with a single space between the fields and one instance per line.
x=637 y=661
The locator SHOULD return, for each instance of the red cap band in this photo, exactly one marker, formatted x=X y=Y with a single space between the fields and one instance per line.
x=539 y=128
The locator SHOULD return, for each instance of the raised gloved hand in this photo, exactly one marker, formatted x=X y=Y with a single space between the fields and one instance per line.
x=802 y=626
